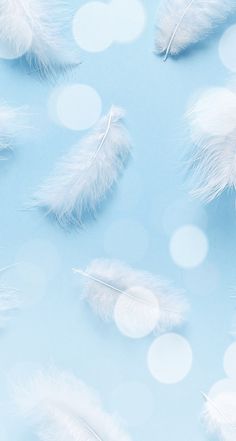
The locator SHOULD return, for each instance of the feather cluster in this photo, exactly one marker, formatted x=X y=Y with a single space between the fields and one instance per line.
x=35 y=28
x=62 y=408
x=212 y=125
x=11 y=123
x=138 y=301
x=220 y=415
x=84 y=177
x=180 y=23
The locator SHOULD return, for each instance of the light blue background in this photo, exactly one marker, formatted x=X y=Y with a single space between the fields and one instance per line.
x=56 y=327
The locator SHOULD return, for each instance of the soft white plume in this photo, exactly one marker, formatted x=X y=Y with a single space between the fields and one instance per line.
x=64 y=409
x=181 y=23
x=138 y=301
x=212 y=124
x=35 y=28
x=10 y=300
x=219 y=415
x=84 y=177
x=11 y=123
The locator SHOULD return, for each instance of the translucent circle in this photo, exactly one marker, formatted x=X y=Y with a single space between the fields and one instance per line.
x=30 y=280
x=226 y=48
x=134 y=402
x=136 y=319
x=128 y=19
x=170 y=358
x=78 y=106
x=126 y=239
x=91 y=27
x=188 y=246
x=230 y=361
x=214 y=112
x=20 y=47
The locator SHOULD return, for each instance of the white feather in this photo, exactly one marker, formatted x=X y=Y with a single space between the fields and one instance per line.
x=11 y=123
x=212 y=124
x=181 y=23
x=9 y=300
x=87 y=173
x=64 y=409
x=219 y=415
x=149 y=299
x=35 y=28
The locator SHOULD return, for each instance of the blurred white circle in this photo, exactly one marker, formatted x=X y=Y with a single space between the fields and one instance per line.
x=128 y=19
x=10 y=51
x=126 y=239
x=227 y=46
x=134 y=402
x=78 y=106
x=188 y=246
x=219 y=120
x=91 y=27
x=136 y=312
x=230 y=361
x=170 y=358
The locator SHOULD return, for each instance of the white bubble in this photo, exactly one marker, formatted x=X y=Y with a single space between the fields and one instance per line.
x=126 y=239
x=137 y=319
x=134 y=402
x=23 y=44
x=78 y=106
x=128 y=19
x=230 y=361
x=226 y=48
x=220 y=120
x=91 y=27
x=97 y=25
x=188 y=246
x=170 y=358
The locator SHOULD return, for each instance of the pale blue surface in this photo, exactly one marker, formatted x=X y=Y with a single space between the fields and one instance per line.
x=57 y=327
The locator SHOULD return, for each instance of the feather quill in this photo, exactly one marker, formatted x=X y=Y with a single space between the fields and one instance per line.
x=34 y=29
x=64 y=409
x=11 y=123
x=144 y=302
x=212 y=126
x=219 y=415
x=181 y=23
x=84 y=177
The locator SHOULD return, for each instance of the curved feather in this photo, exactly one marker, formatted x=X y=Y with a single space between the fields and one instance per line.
x=84 y=177
x=107 y=280
x=212 y=125
x=64 y=409
x=180 y=23
x=35 y=28
x=219 y=414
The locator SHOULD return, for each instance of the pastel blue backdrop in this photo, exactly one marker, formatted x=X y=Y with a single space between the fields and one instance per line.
x=55 y=327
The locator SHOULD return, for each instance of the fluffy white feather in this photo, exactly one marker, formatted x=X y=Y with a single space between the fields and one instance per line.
x=181 y=23
x=9 y=300
x=64 y=409
x=87 y=173
x=11 y=123
x=146 y=302
x=35 y=28
x=219 y=415
x=212 y=124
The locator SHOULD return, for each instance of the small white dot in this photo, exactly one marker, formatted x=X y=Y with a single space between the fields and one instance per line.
x=133 y=318
x=10 y=51
x=91 y=27
x=188 y=246
x=126 y=239
x=134 y=402
x=78 y=106
x=170 y=358
x=230 y=361
x=226 y=48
